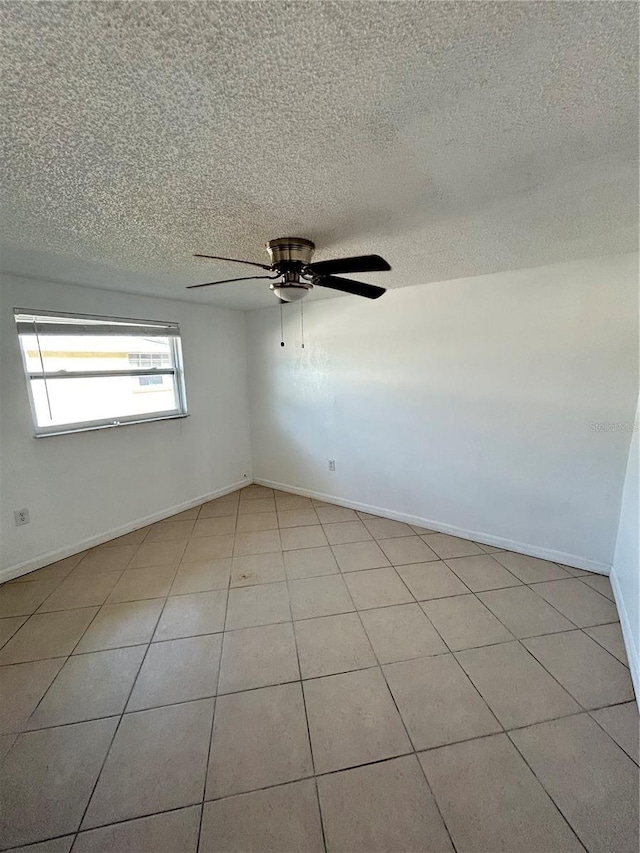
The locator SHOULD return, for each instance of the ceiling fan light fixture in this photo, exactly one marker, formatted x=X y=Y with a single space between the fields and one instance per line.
x=290 y=292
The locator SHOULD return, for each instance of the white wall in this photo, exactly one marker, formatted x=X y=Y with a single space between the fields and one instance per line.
x=468 y=404
x=83 y=487
x=625 y=575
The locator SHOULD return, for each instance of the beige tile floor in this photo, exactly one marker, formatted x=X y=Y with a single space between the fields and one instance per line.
x=267 y=674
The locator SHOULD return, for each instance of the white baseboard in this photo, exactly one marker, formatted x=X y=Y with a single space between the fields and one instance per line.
x=627 y=635
x=41 y=560
x=574 y=560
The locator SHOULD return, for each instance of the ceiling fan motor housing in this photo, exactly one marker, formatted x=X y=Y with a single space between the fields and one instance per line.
x=290 y=253
x=289 y=256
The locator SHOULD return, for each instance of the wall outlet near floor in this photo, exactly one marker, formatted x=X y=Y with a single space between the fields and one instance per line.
x=332 y=464
x=21 y=516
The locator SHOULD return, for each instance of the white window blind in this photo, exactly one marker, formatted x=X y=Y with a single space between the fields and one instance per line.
x=86 y=372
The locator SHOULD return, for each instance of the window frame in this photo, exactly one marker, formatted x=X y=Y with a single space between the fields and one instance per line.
x=177 y=371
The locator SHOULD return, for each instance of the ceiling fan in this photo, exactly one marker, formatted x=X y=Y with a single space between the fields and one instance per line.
x=295 y=275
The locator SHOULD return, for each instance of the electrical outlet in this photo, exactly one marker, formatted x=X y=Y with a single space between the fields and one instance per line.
x=21 y=516
x=332 y=464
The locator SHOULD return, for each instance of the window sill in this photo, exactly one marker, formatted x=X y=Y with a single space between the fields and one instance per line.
x=95 y=427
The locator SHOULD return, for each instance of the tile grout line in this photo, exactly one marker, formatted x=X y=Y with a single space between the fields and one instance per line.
x=549 y=634
x=521 y=643
x=34 y=612
x=516 y=639
x=539 y=781
x=582 y=580
x=410 y=739
x=117 y=728
x=531 y=585
x=436 y=803
x=562 y=686
x=584 y=631
x=412 y=752
x=215 y=703
x=70 y=654
x=518 y=581
x=67 y=657
x=527 y=586
x=635 y=760
x=378 y=761
x=581 y=710
x=418 y=601
x=120 y=822
x=306 y=715
x=469 y=591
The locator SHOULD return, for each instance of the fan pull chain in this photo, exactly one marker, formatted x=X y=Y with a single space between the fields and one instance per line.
x=302 y=324
x=281 y=328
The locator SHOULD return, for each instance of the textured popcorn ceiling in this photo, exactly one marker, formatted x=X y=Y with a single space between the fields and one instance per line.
x=454 y=139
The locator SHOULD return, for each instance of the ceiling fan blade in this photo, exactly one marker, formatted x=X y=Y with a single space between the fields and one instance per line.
x=347 y=285
x=234 y=260
x=228 y=280
x=362 y=263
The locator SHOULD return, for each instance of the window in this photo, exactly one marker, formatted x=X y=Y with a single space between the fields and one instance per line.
x=90 y=372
